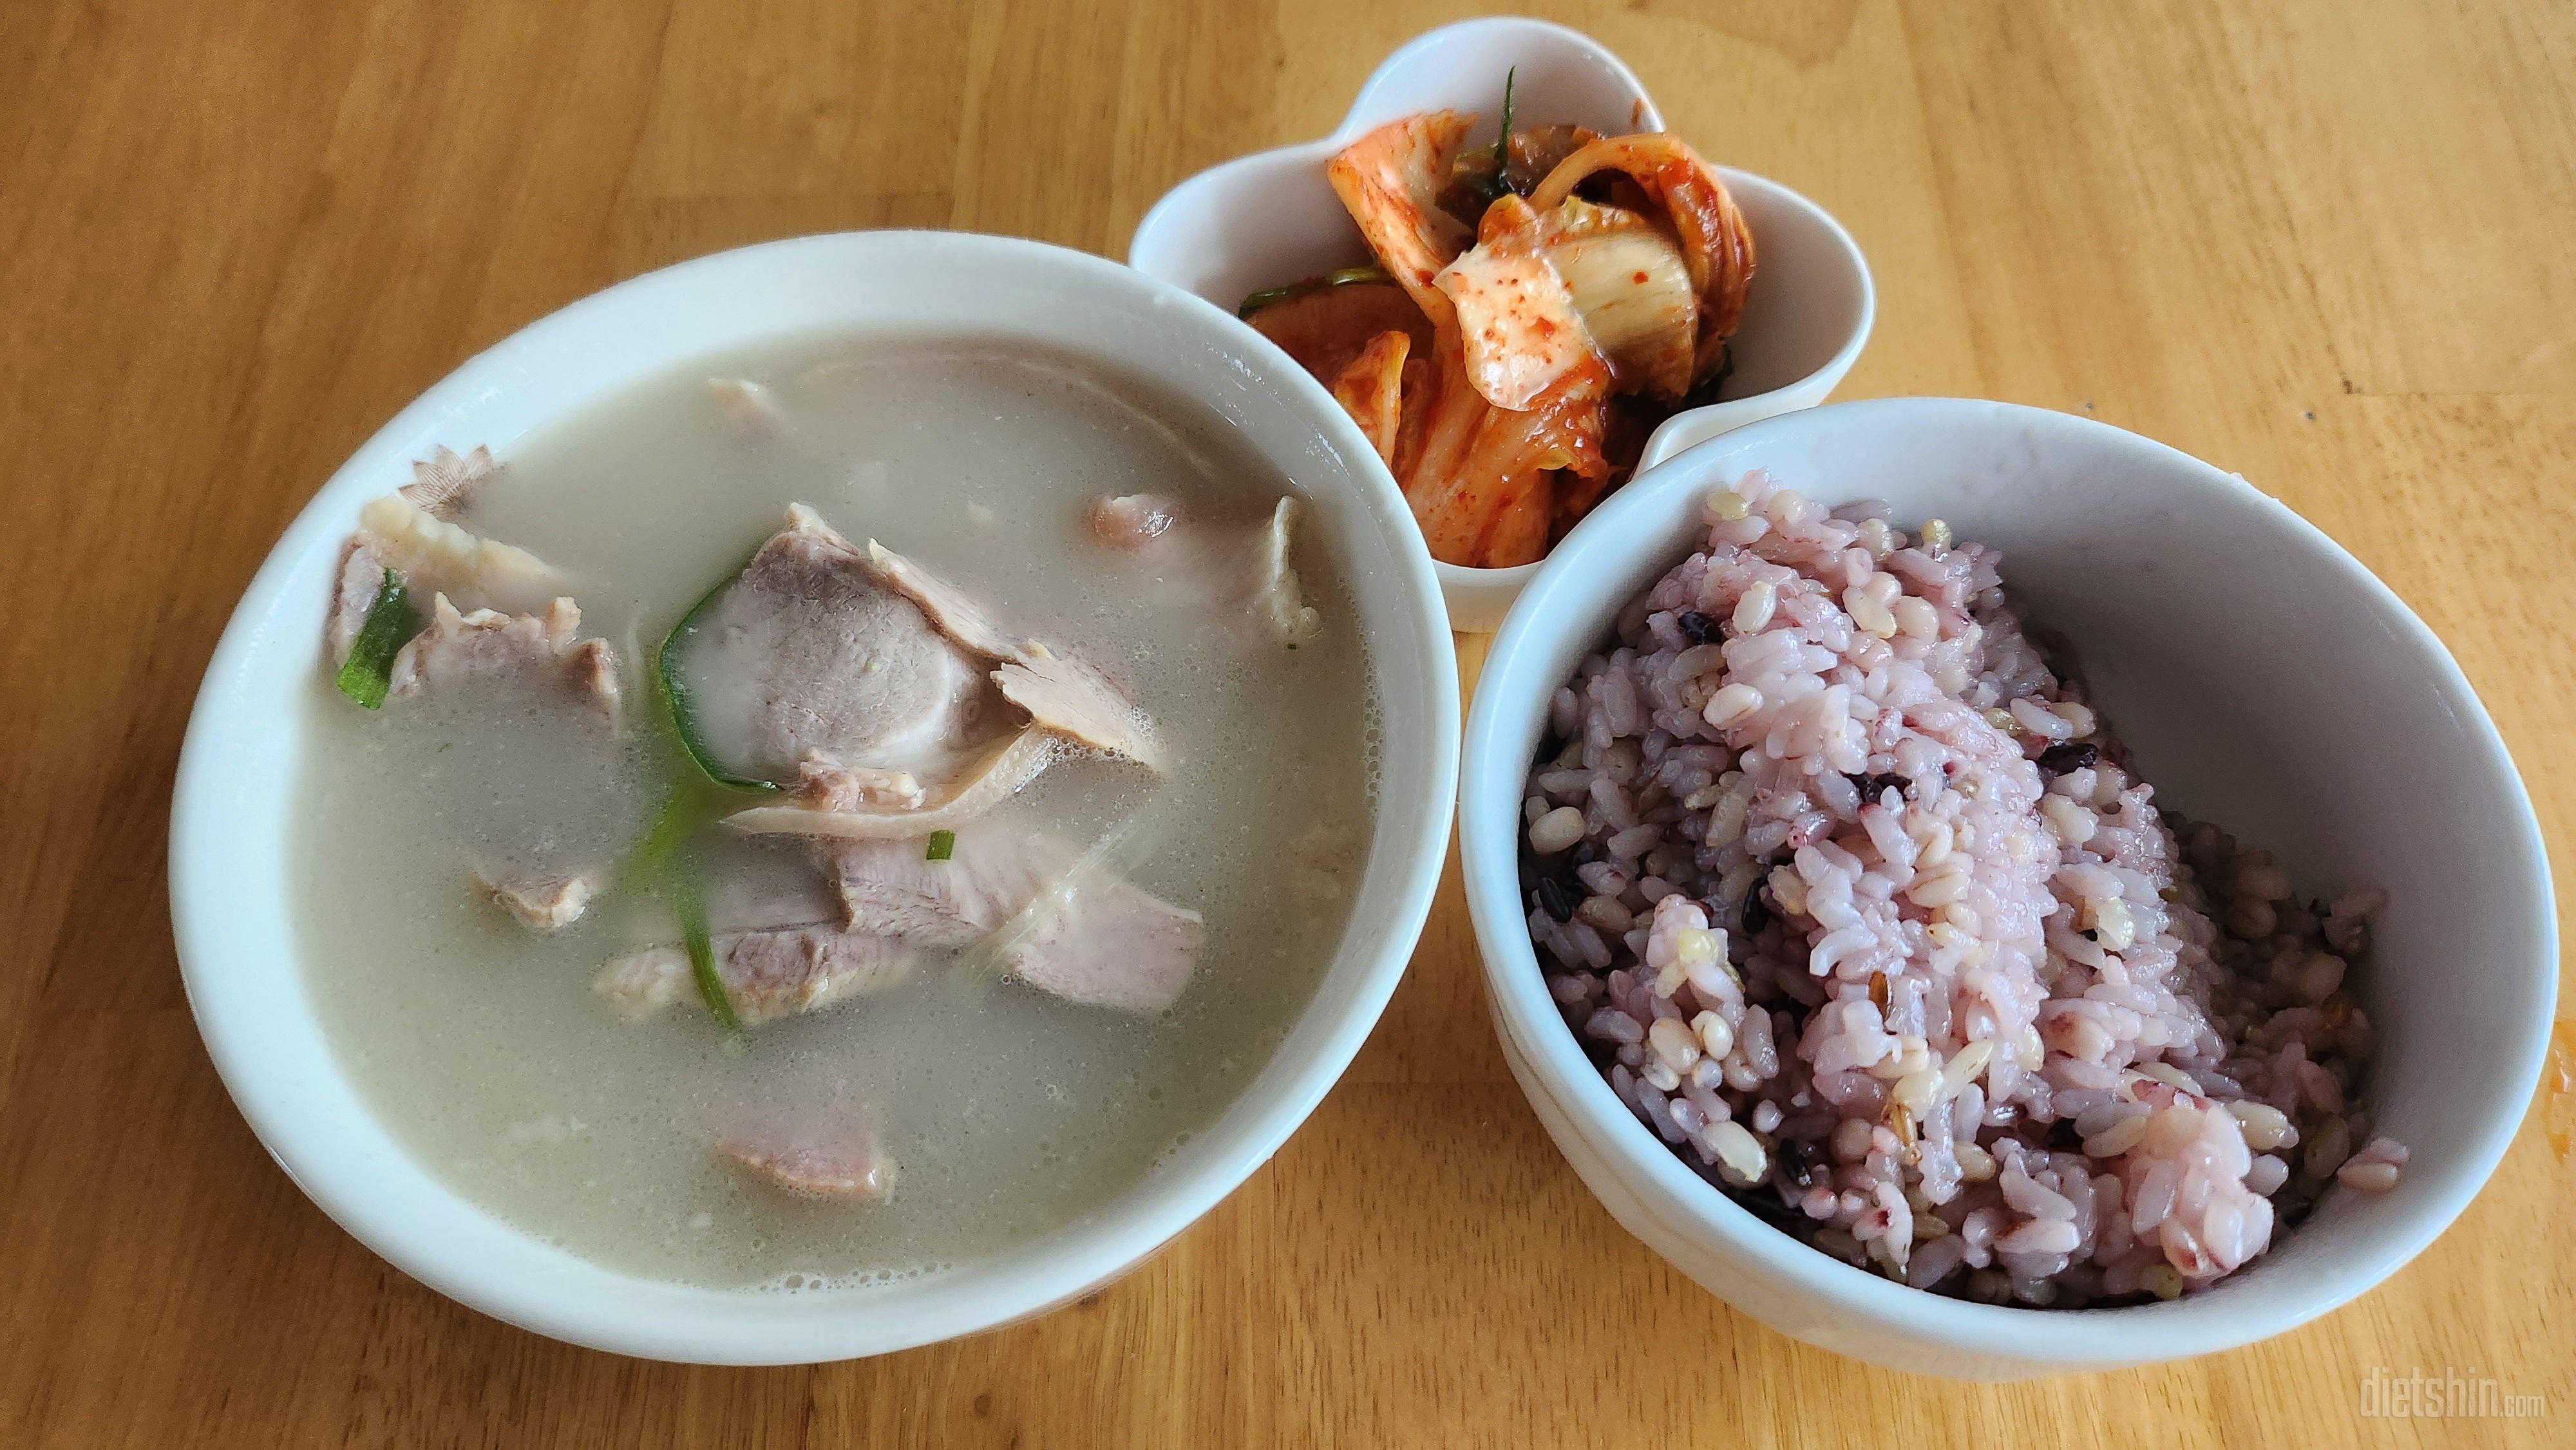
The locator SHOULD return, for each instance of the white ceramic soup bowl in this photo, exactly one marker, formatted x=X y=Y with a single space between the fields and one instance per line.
x=1269 y=218
x=2264 y=680
x=229 y=832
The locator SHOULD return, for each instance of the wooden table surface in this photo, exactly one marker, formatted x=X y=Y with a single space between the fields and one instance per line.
x=2326 y=244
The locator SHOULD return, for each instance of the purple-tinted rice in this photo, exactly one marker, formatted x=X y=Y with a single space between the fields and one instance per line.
x=1987 y=1028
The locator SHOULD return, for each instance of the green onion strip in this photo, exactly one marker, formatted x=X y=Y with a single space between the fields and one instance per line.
x=390 y=624
x=680 y=885
x=663 y=857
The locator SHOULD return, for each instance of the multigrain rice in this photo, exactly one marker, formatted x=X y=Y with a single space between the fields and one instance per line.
x=1862 y=909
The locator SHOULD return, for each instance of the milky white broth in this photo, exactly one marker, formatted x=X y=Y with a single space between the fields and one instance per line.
x=481 y=1044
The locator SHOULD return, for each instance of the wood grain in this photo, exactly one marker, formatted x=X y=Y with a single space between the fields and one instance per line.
x=2322 y=243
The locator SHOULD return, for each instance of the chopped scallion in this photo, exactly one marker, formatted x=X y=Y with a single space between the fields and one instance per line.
x=662 y=861
x=663 y=857
x=1489 y=186
x=390 y=623
x=943 y=844
x=670 y=830
x=682 y=886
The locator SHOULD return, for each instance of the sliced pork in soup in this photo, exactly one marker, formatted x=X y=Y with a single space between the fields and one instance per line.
x=890 y=752
x=1061 y=924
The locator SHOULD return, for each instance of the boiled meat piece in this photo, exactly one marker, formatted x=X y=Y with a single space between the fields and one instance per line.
x=809 y=656
x=499 y=627
x=760 y=890
x=795 y=943
x=541 y=903
x=1213 y=564
x=1065 y=696
x=886 y=691
x=846 y=1162
x=434 y=557
x=769 y=973
x=803 y=1128
x=1131 y=521
x=834 y=800
x=1278 y=596
x=1058 y=923
x=949 y=608
x=538 y=652
x=537 y=669
x=892 y=888
x=824 y=784
x=1107 y=944
x=782 y=946
x=1060 y=694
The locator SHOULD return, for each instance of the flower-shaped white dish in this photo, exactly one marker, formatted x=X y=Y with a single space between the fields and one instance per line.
x=2264 y=680
x=240 y=954
x=1270 y=218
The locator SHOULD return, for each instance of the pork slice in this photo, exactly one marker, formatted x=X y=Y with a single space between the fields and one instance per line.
x=843 y=1162
x=1108 y=944
x=767 y=974
x=949 y=608
x=1134 y=522
x=832 y=800
x=1278 y=602
x=535 y=672
x=362 y=574
x=1059 y=693
x=1234 y=566
x=1067 y=697
x=528 y=650
x=825 y=784
x=781 y=945
x=892 y=888
x=541 y=902
x=766 y=890
x=1061 y=924
x=434 y=557
x=809 y=652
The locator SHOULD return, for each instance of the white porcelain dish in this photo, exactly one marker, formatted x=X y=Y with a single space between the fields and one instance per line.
x=229 y=825
x=2264 y=680
x=1261 y=220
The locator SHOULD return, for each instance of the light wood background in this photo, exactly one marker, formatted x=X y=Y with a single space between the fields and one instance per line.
x=2326 y=243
